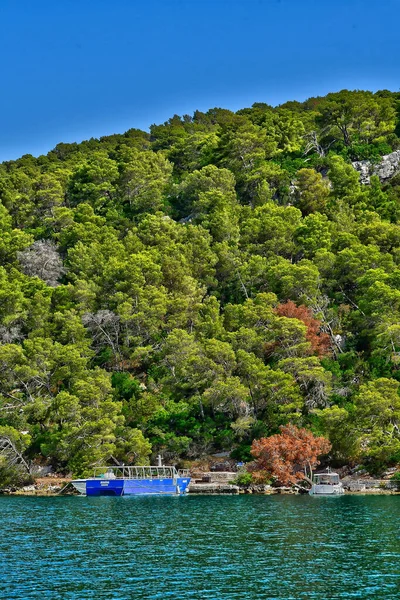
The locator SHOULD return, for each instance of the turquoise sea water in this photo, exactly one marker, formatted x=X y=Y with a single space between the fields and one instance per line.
x=200 y=547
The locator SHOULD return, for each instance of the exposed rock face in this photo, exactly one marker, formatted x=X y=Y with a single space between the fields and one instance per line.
x=212 y=488
x=369 y=485
x=218 y=476
x=213 y=483
x=389 y=166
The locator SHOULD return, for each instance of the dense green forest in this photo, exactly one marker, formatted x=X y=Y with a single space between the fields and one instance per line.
x=188 y=290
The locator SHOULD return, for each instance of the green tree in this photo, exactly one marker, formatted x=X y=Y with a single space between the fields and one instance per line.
x=360 y=116
x=94 y=183
x=377 y=419
x=208 y=179
x=344 y=179
x=311 y=191
x=143 y=180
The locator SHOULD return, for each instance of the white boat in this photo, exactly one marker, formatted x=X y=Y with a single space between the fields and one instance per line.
x=326 y=484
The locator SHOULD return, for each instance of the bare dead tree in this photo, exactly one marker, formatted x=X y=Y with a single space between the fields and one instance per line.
x=314 y=142
x=11 y=334
x=42 y=260
x=104 y=326
x=11 y=455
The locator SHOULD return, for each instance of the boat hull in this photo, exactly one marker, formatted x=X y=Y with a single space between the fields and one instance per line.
x=326 y=490
x=132 y=487
x=80 y=485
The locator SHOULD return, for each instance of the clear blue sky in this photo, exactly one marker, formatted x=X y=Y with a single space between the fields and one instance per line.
x=73 y=69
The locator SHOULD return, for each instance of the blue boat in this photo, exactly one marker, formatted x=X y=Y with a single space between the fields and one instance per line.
x=134 y=481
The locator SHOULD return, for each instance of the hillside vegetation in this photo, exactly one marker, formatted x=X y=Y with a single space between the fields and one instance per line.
x=192 y=289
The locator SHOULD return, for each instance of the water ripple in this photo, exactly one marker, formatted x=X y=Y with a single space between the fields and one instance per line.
x=205 y=548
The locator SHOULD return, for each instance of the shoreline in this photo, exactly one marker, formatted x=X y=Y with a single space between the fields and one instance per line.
x=210 y=484
x=46 y=493
x=57 y=495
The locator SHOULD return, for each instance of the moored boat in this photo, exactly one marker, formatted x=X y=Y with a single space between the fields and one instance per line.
x=326 y=484
x=134 y=481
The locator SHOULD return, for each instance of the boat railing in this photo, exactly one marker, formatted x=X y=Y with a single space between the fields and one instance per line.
x=139 y=472
x=183 y=473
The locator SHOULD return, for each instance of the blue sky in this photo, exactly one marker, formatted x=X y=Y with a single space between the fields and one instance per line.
x=75 y=69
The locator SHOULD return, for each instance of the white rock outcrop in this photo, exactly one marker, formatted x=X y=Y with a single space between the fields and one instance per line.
x=387 y=168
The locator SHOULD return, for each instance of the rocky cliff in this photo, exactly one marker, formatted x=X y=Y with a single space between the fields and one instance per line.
x=387 y=168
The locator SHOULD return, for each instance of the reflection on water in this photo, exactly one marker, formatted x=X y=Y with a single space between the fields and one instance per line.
x=200 y=547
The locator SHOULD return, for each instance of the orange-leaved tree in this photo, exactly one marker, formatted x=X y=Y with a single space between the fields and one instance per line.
x=320 y=341
x=289 y=456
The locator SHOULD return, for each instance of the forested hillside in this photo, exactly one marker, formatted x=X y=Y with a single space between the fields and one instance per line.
x=189 y=290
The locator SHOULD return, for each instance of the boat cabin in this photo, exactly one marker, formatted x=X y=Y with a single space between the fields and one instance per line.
x=326 y=478
x=142 y=472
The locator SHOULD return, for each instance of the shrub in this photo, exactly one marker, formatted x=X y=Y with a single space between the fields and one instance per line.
x=13 y=476
x=243 y=479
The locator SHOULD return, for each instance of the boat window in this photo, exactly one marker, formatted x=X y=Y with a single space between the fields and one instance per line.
x=326 y=479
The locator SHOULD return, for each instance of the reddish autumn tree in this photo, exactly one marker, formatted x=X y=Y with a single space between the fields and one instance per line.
x=320 y=342
x=289 y=456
